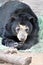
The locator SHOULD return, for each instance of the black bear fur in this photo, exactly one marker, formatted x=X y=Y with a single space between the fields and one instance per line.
x=16 y=9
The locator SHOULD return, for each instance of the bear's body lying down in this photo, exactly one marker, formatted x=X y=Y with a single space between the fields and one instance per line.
x=18 y=25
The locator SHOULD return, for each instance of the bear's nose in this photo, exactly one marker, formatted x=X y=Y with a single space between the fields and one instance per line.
x=22 y=39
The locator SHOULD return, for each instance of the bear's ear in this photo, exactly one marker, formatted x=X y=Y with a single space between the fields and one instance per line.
x=12 y=18
x=8 y=25
x=31 y=19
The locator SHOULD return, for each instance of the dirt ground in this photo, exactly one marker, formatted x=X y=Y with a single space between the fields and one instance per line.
x=36 y=5
x=37 y=58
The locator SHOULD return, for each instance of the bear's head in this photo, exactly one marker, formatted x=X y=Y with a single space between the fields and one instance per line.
x=23 y=26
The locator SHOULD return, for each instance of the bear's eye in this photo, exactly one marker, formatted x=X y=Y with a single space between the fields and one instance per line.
x=17 y=29
x=27 y=30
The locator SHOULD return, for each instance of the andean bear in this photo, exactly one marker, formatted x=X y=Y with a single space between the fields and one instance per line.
x=18 y=25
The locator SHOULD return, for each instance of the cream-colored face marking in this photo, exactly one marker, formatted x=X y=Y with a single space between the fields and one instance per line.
x=22 y=34
x=23 y=27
